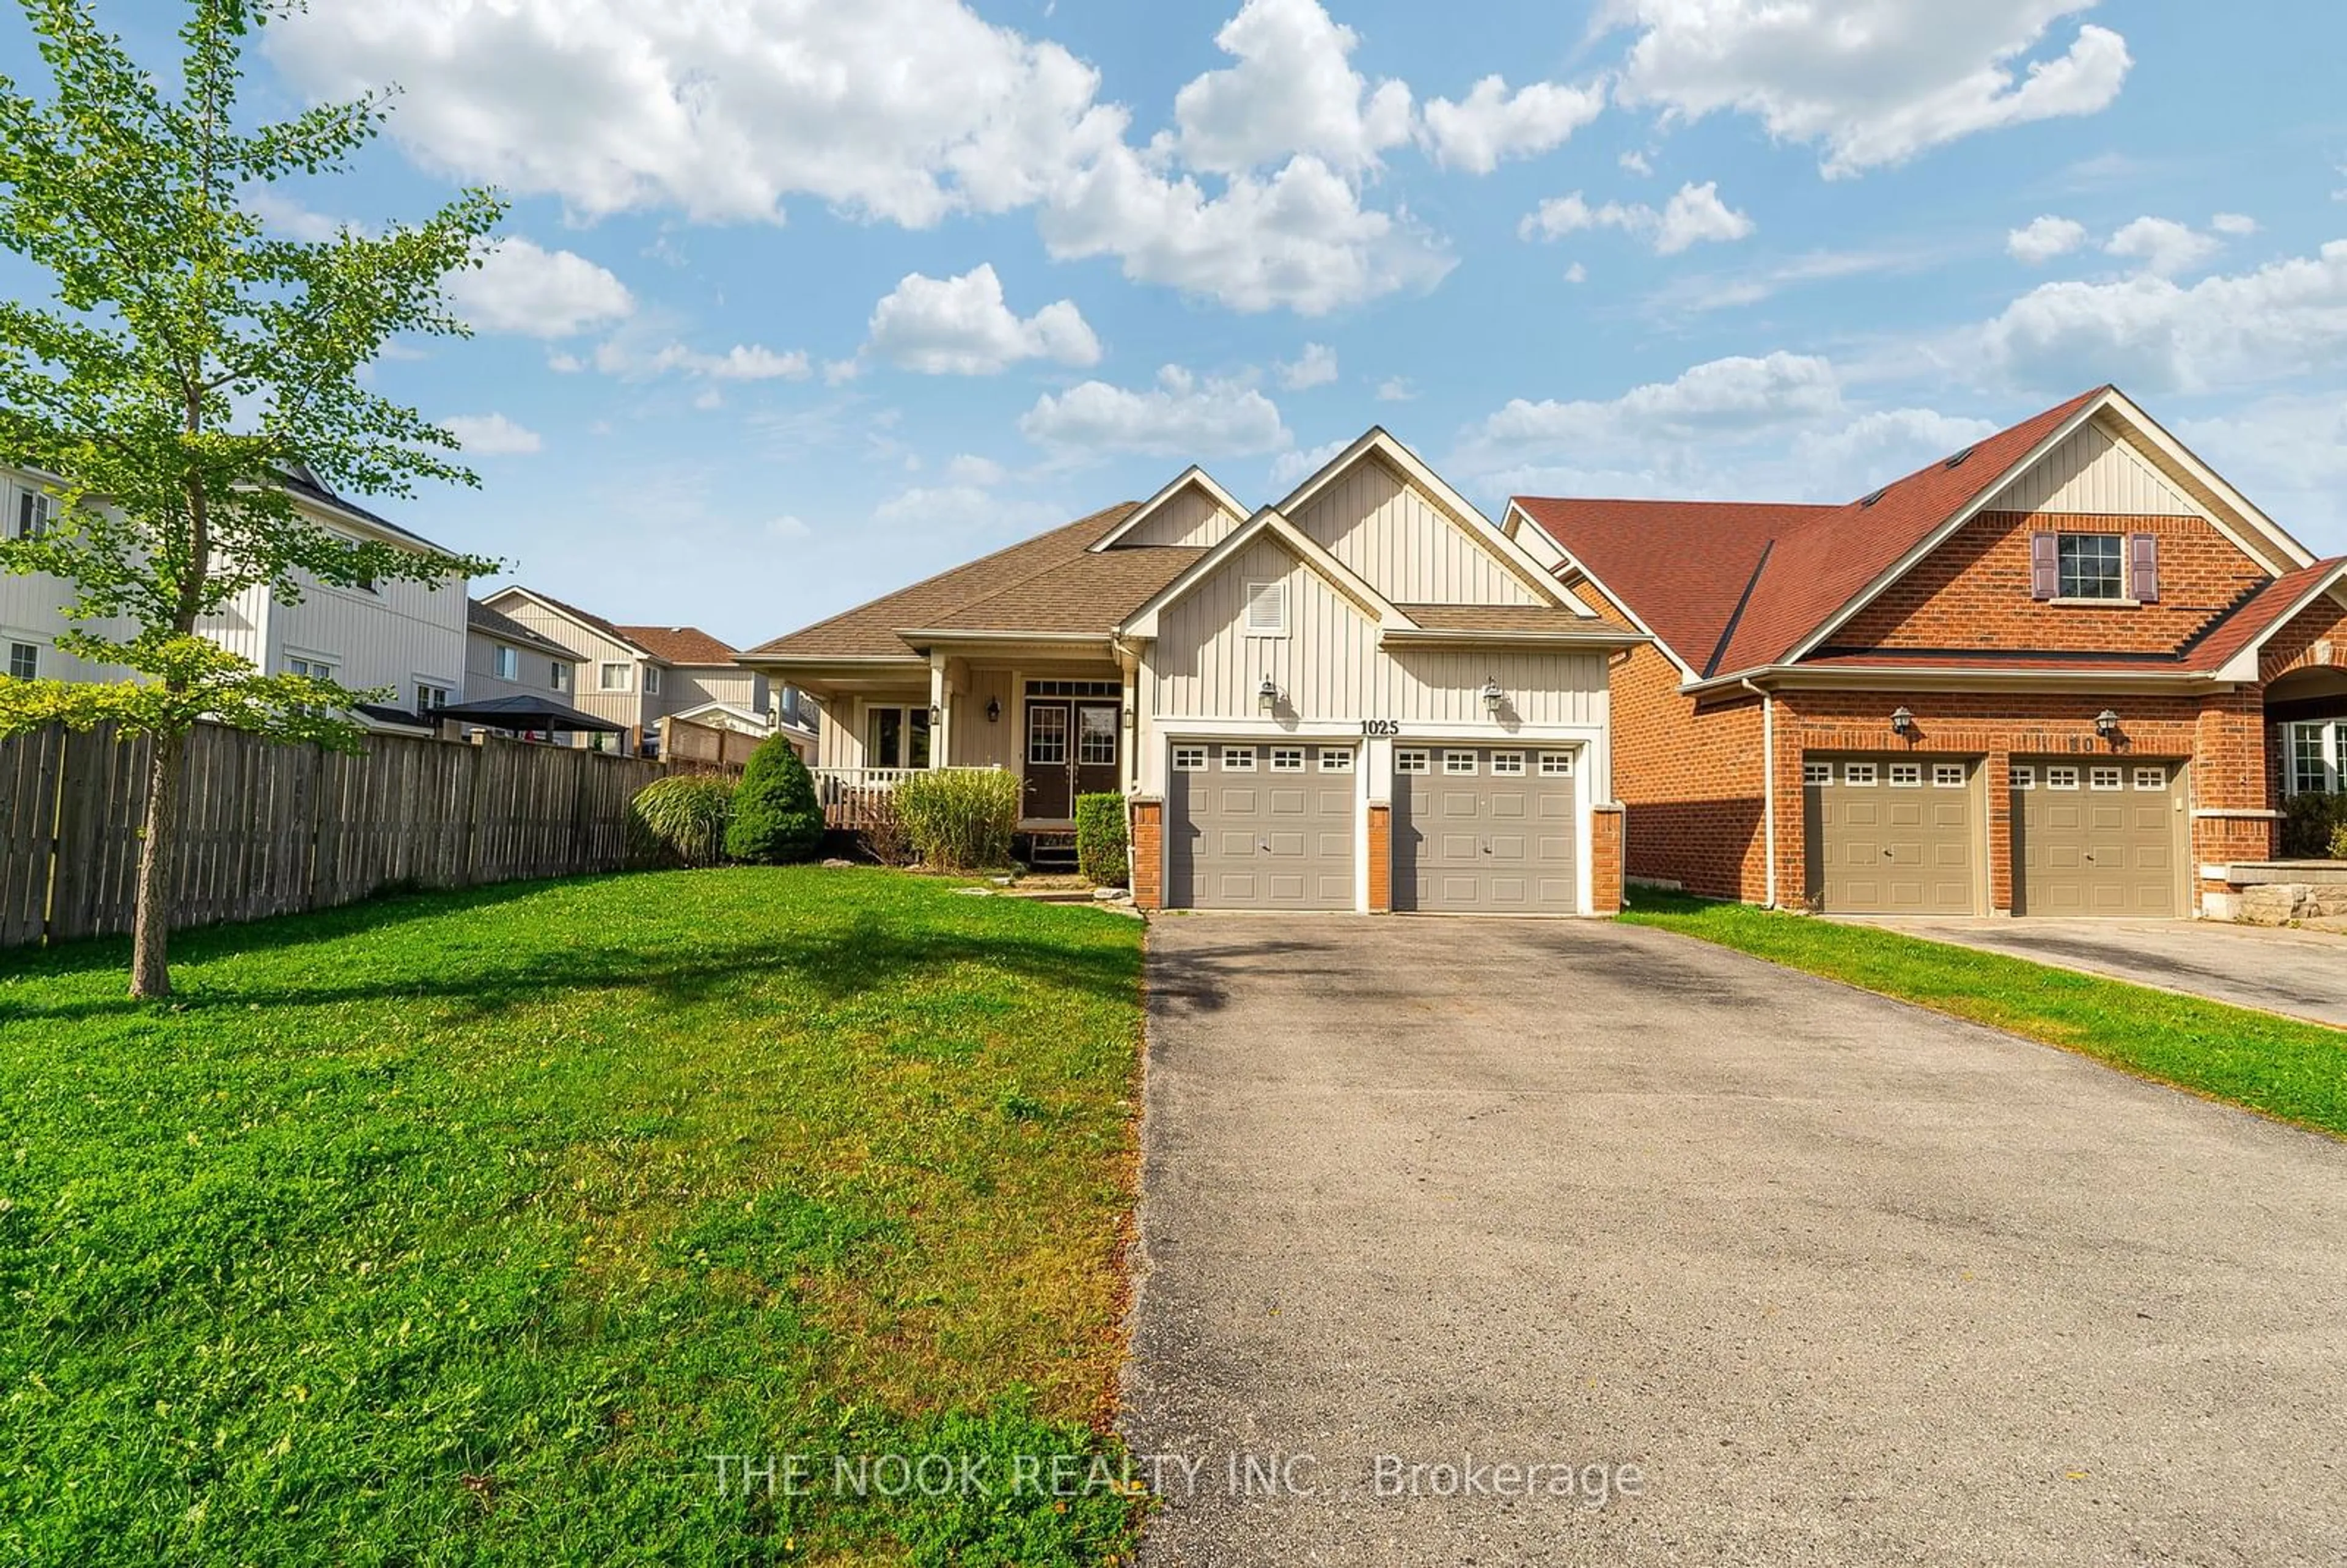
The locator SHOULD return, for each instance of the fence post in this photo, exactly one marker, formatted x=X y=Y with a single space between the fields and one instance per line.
x=473 y=794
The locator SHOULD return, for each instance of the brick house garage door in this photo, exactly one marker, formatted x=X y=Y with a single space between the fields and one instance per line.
x=2097 y=838
x=1259 y=827
x=1893 y=835
x=1484 y=830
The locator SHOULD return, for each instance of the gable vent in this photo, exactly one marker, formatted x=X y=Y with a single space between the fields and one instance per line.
x=1958 y=460
x=1267 y=610
x=1876 y=497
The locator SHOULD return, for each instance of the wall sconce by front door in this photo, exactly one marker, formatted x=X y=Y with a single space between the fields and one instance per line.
x=1902 y=720
x=993 y=710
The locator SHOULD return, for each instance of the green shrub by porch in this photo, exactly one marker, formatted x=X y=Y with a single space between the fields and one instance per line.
x=777 y=820
x=2315 y=826
x=1101 y=839
x=680 y=821
x=959 y=819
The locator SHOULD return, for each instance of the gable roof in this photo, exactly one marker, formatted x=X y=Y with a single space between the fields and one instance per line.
x=679 y=644
x=585 y=618
x=1732 y=588
x=2266 y=612
x=494 y=622
x=1052 y=583
x=1192 y=477
x=1311 y=552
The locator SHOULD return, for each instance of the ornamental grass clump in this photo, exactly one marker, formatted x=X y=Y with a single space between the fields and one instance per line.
x=959 y=819
x=681 y=821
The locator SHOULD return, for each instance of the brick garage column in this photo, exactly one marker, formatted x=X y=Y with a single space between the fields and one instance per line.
x=1792 y=813
x=2232 y=777
x=1381 y=858
x=1148 y=853
x=1605 y=859
x=1996 y=778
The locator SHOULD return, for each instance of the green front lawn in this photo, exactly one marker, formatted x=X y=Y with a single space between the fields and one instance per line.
x=2294 y=1071
x=466 y=1228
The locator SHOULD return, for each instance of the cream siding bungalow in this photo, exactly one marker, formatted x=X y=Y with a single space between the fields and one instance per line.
x=1365 y=697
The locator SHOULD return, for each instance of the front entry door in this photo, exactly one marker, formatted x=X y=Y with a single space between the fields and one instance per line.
x=1071 y=750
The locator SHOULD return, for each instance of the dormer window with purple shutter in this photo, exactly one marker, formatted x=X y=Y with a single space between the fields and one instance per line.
x=2094 y=569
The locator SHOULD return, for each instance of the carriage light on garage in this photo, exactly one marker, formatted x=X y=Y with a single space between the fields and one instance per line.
x=1492 y=695
x=1902 y=719
x=1267 y=696
x=2106 y=724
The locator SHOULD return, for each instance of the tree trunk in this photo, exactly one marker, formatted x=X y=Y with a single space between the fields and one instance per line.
x=150 y=931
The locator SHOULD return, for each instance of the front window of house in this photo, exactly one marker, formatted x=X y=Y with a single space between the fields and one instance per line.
x=615 y=676
x=2315 y=757
x=2093 y=566
x=897 y=738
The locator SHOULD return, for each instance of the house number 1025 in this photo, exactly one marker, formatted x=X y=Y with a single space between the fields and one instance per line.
x=1381 y=726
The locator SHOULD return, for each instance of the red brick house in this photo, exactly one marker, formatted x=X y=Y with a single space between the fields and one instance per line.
x=2069 y=670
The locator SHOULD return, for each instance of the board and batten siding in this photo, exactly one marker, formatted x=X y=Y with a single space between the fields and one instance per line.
x=1192 y=518
x=1330 y=666
x=2094 y=473
x=1413 y=552
x=402 y=634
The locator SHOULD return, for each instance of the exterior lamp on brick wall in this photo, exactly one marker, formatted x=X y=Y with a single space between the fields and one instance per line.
x=2106 y=724
x=1267 y=696
x=1902 y=720
x=1492 y=695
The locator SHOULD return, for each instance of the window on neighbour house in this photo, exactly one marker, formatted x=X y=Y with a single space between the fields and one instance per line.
x=24 y=661
x=316 y=668
x=428 y=697
x=651 y=680
x=614 y=677
x=504 y=662
x=2091 y=565
x=32 y=519
x=562 y=676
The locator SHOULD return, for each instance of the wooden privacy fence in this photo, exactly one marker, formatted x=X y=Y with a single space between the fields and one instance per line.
x=268 y=829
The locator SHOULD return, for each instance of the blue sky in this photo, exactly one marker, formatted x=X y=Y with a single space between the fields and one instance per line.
x=805 y=301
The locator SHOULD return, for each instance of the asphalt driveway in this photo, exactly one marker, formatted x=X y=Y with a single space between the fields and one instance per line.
x=1838 y=1281
x=2303 y=974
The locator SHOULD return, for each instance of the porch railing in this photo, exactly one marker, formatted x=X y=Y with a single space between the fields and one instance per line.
x=854 y=799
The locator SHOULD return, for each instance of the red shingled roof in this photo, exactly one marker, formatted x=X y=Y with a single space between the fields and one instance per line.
x=2262 y=613
x=1733 y=586
x=679 y=644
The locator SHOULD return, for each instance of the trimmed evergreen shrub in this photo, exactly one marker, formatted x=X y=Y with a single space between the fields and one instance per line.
x=2315 y=826
x=960 y=819
x=681 y=820
x=1101 y=839
x=777 y=819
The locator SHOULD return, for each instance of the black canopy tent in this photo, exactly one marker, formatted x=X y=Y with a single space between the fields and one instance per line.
x=542 y=714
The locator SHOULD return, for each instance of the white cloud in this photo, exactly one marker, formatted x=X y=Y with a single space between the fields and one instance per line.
x=1293 y=90
x=2042 y=239
x=1717 y=290
x=2163 y=246
x=961 y=326
x=1492 y=123
x=1873 y=82
x=1291 y=468
x=743 y=362
x=1314 y=366
x=1576 y=273
x=1299 y=240
x=904 y=110
x=709 y=398
x=1695 y=214
x=1180 y=416
x=1634 y=162
x=522 y=287
x=2151 y=333
x=2236 y=225
x=787 y=527
x=565 y=363
x=284 y=215
x=492 y=435
x=2289 y=452
x=1396 y=389
x=970 y=509
x=968 y=470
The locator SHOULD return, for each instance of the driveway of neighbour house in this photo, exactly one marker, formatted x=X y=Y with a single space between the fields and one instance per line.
x=1847 y=1282
x=2301 y=973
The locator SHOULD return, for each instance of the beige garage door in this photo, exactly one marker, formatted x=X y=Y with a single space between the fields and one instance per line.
x=1893 y=835
x=2097 y=838
x=1484 y=830
x=1260 y=827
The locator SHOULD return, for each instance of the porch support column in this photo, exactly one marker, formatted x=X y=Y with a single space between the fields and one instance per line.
x=942 y=706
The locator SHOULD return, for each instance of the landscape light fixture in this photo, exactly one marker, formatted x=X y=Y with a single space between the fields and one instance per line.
x=1492 y=695
x=1902 y=719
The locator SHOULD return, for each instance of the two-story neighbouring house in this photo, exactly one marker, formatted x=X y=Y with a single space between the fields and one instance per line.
x=2068 y=669
x=407 y=637
x=503 y=658
x=632 y=675
x=1366 y=697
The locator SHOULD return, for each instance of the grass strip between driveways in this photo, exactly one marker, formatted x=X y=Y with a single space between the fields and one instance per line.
x=2291 y=1070
x=466 y=1228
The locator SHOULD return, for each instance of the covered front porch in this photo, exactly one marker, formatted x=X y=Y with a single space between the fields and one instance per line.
x=1062 y=722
